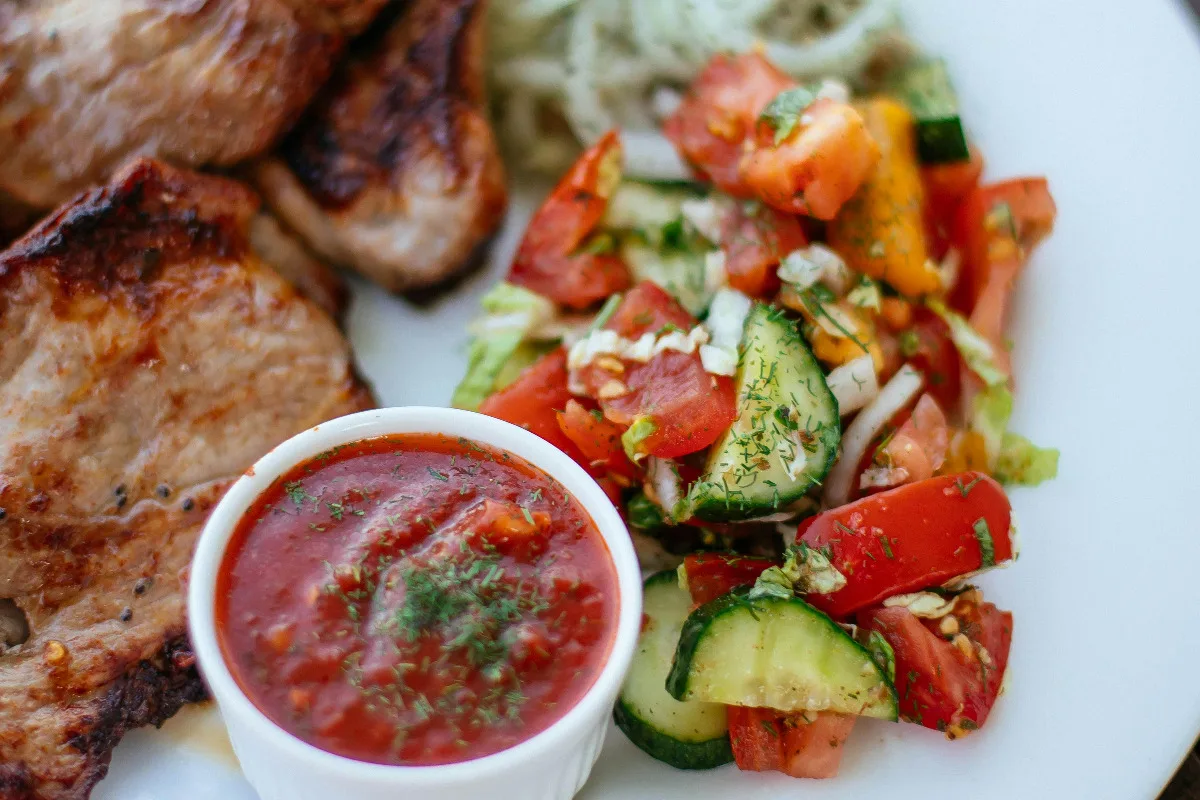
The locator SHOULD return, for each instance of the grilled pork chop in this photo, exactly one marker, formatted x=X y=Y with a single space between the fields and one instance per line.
x=394 y=171
x=85 y=84
x=146 y=359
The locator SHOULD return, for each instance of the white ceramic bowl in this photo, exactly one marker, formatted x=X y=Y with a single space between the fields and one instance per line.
x=552 y=765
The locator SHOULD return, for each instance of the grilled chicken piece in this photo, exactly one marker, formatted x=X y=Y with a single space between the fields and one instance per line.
x=86 y=84
x=146 y=359
x=395 y=171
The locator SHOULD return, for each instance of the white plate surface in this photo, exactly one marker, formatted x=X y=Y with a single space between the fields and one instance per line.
x=1105 y=695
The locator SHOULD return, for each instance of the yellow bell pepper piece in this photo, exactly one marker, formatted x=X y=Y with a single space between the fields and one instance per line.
x=835 y=350
x=881 y=231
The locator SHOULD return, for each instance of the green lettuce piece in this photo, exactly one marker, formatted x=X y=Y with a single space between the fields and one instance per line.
x=641 y=430
x=990 y=413
x=976 y=351
x=510 y=314
x=1023 y=463
x=805 y=570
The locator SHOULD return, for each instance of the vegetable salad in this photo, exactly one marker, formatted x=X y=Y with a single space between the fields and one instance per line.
x=791 y=374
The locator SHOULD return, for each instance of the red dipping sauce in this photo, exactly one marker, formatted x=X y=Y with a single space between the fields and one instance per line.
x=416 y=599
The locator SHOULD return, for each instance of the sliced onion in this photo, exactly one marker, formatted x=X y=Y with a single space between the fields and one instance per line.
x=869 y=423
x=667 y=485
x=651 y=155
x=727 y=318
x=854 y=384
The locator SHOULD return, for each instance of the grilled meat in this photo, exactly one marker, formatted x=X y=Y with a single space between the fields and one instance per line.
x=279 y=249
x=86 y=84
x=394 y=171
x=147 y=357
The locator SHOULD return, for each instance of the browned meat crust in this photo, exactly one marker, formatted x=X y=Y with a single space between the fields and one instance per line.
x=394 y=171
x=147 y=357
x=85 y=86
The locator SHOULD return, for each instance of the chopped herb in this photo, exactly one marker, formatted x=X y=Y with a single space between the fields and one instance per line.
x=987 y=548
x=783 y=113
x=965 y=490
x=441 y=476
x=887 y=547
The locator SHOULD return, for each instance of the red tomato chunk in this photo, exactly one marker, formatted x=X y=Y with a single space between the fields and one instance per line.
x=948 y=670
x=910 y=538
x=804 y=745
x=687 y=407
x=416 y=600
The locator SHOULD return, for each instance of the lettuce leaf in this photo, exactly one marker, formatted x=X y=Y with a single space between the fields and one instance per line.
x=510 y=314
x=1022 y=463
x=976 y=351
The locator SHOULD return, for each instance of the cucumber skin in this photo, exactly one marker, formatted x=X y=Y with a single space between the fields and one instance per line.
x=941 y=141
x=697 y=625
x=689 y=638
x=709 y=502
x=708 y=754
x=681 y=755
x=929 y=94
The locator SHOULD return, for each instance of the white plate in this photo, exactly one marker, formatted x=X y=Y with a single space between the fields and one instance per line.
x=1105 y=698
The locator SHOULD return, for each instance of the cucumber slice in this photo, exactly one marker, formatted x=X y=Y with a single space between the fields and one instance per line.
x=647 y=206
x=687 y=735
x=778 y=653
x=679 y=270
x=785 y=411
x=925 y=87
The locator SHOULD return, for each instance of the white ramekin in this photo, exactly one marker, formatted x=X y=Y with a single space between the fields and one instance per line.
x=551 y=765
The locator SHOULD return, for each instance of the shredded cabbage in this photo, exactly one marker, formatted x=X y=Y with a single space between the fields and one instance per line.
x=1012 y=459
x=990 y=411
x=511 y=314
x=976 y=351
x=1023 y=463
x=600 y=64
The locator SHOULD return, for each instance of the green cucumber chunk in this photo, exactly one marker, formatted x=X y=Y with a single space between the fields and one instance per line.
x=925 y=87
x=786 y=436
x=687 y=735
x=655 y=242
x=648 y=205
x=778 y=653
x=678 y=269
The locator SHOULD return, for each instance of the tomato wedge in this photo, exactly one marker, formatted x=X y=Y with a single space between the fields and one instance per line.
x=930 y=350
x=818 y=167
x=763 y=740
x=720 y=112
x=948 y=670
x=648 y=308
x=913 y=537
x=597 y=438
x=755 y=239
x=710 y=575
x=553 y=258
x=683 y=407
x=946 y=186
x=919 y=445
x=996 y=228
x=532 y=400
